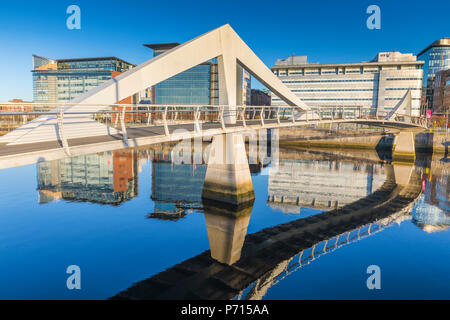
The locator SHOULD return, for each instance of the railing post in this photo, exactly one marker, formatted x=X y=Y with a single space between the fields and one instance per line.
x=293 y=116
x=243 y=117
x=261 y=115
x=166 y=127
x=117 y=116
x=222 y=122
x=64 y=142
x=149 y=117
x=196 y=118
x=278 y=115
x=124 y=128
x=24 y=116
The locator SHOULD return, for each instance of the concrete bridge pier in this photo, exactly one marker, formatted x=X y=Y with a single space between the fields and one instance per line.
x=402 y=173
x=404 y=148
x=228 y=178
x=227 y=228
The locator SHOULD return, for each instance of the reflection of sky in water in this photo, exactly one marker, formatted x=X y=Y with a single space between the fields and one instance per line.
x=116 y=245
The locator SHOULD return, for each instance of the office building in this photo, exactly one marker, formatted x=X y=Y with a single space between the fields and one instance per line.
x=441 y=93
x=106 y=178
x=65 y=79
x=376 y=85
x=198 y=85
x=246 y=88
x=260 y=98
x=176 y=188
x=321 y=184
x=9 y=123
x=437 y=58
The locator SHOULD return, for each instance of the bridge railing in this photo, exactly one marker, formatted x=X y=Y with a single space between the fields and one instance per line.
x=123 y=116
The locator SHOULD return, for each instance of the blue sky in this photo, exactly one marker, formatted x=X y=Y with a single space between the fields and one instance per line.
x=326 y=31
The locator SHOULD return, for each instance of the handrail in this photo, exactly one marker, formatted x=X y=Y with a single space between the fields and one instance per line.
x=115 y=115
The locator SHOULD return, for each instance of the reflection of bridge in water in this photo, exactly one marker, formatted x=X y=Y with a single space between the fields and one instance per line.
x=246 y=266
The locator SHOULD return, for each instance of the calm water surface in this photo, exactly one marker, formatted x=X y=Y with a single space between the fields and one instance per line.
x=127 y=215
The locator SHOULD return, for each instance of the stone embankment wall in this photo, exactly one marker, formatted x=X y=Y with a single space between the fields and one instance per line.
x=353 y=138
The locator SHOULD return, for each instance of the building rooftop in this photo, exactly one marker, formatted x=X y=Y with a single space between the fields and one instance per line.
x=382 y=58
x=292 y=60
x=94 y=58
x=444 y=42
x=162 y=46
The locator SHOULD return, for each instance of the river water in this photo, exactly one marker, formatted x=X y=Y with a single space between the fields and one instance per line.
x=125 y=216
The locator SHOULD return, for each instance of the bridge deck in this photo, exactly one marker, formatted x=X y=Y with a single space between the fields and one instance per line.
x=22 y=154
x=133 y=133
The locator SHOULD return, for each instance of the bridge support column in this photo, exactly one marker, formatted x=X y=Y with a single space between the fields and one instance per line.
x=402 y=173
x=228 y=178
x=404 y=147
x=227 y=228
x=230 y=84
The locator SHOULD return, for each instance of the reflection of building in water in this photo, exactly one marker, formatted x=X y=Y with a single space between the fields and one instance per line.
x=108 y=178
x=429 y=217
x=176 y=187
x=432 y=210
x=437 y=191
x=321 y=184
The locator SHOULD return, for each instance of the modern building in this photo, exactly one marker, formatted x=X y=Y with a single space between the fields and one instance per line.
x=106 y=178
x=441 y=93
x=260 y=98
x=198 y=85
x=246 y=88
x=376 y=85
x=321 y=184
x=437 y=58
x=9 y=123
x=65 y=79
x=176 y=188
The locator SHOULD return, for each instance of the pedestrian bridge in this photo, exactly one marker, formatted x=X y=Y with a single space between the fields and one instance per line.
x=140 y=124
x=95 y=121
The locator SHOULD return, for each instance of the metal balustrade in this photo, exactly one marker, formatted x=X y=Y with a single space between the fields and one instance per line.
x=123 y=116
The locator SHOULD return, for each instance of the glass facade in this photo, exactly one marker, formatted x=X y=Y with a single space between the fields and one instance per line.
x=107 y=178
x=71 y=85
x=64 y=80
x=189 y=87
x=436 y=58
x=374 y=86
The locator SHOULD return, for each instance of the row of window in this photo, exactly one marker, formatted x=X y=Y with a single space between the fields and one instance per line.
x=403 y=88
x=389 y=79
x=331 y=99
x=400 y=98
x=331 y=90
x=320 y=81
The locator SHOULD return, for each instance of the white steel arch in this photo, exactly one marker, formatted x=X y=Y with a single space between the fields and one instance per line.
x=222 y=43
